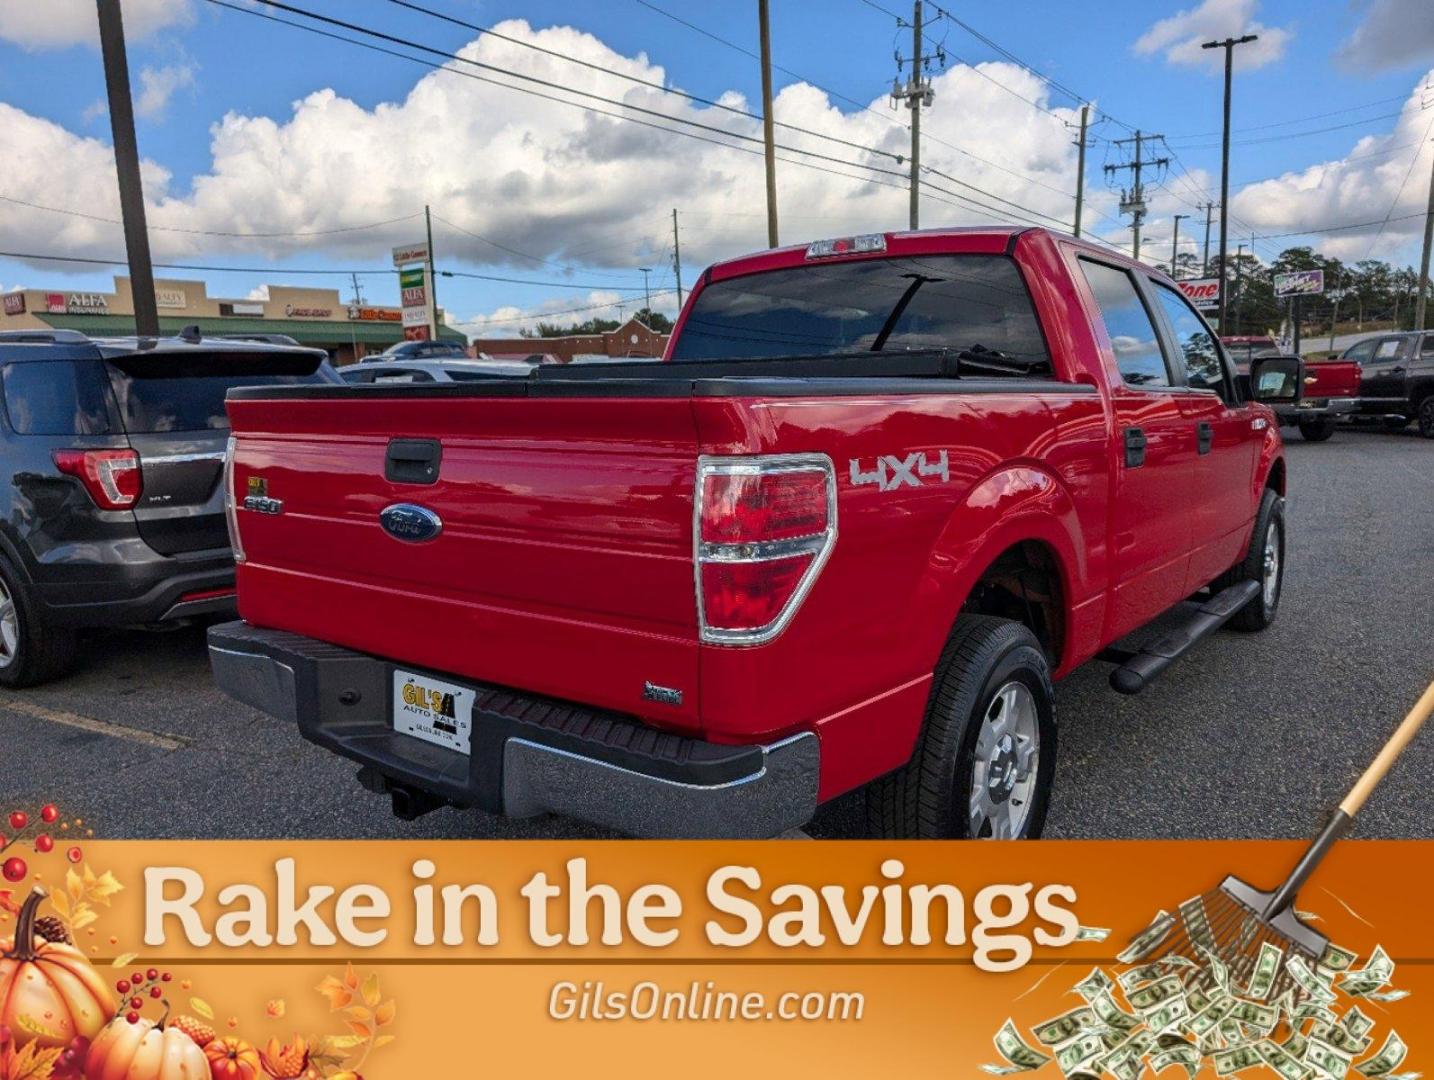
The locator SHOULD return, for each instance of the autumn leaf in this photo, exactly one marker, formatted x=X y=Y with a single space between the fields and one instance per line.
x=276 y=1008
x=371 y=994
x=123 y=960
x=384 y=1014
x=102 y=888
x=363 y=1031
x=202 y=1007
x=383 y=1040
x=33 y=1063
x=359 y=1013
x=7 y=902
x=335 y=1043
x=61 y=903
x=74 y=885
x=84 y=915
x=351 y=979
x=337 y=993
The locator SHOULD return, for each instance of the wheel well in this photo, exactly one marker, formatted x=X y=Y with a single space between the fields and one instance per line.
x=1276 y=479
x=1024 y=584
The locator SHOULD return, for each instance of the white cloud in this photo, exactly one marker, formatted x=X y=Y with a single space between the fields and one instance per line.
x=1380 y=175
x=1181 y=36
x=555 y=182
x=157 y=86
x=258 y=292
x=54 y=24
x=1392 y=34
x=95 y=110
x=510 y=319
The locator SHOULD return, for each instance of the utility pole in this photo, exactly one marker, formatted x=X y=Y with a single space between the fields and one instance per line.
x=677 y=258
x=1239 y=292
x=1133 y=201
x=1229 y=46
x=1175 y=247
x=1080 y=165
x=131 y=190
x=358 y=293
x=1421 y=301
x=647 y=293
x=432 y=279
x=1209 y=209
x=916 y=93
x=768 y=139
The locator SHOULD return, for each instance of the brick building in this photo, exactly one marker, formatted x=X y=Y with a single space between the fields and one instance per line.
x=631 y=339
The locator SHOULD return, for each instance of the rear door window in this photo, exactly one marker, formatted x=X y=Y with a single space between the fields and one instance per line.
x=1128 y=325
x=1388 y=350
x=58 y=397
x=162 y=392
x=888 y=305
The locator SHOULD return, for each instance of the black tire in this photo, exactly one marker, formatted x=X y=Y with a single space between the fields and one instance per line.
x=1316 y=430
x=1260 y=612
x=30 y=651
x=1426 y=417
x=930 y=797
x=1395 y=423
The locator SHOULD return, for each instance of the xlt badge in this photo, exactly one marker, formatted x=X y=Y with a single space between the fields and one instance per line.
x=258 y=499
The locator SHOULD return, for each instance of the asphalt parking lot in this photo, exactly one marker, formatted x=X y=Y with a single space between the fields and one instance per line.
x=1250 y=736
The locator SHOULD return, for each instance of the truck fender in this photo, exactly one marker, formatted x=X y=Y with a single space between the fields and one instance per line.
x=1017 y=504
x=1270 y=468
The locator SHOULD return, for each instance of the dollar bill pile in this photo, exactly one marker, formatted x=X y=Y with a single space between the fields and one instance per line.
x=1194 y=1012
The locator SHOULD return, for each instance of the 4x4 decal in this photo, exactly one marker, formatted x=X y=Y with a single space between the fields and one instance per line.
x=891 y=472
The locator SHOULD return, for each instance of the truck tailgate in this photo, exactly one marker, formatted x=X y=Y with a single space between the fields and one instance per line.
x=564 y=564
x=1331 y=379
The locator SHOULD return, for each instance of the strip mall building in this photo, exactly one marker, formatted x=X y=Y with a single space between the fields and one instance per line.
x=314 y=317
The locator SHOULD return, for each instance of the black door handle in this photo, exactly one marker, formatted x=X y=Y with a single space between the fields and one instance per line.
x=1204 y=437
x=1134 y=448
x=412 y=461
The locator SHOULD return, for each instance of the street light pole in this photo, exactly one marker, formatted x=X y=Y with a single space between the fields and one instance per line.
x=1175 y=247
x=647 y=296
x=1229 y=46
x=768 y=138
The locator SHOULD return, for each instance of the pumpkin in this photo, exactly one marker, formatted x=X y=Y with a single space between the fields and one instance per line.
x=49 y=993
x=144 y=1050
x=232 y=1059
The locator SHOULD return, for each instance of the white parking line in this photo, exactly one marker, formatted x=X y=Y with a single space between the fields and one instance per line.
x=15 y=703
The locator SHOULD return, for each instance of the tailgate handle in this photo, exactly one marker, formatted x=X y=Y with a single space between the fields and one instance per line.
x=412 y=461
x=1204 y=437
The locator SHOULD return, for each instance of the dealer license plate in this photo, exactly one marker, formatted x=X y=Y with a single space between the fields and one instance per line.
x=433 y=710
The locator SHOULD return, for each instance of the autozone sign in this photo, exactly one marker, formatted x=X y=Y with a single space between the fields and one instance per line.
x=1202 y=292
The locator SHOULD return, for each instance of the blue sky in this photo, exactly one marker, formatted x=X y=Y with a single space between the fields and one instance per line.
x=517 y=176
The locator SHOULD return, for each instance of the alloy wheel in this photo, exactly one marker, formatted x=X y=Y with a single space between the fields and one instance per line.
x=1007 y=757
x=9 y=627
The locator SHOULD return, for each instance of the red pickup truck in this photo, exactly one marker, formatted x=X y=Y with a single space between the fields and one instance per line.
x=881 y=493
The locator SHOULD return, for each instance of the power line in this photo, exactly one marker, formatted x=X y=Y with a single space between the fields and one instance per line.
x=503 y=247
x=212 y=232
x=1300 y=119
x=550 y=314
x=1299 y=134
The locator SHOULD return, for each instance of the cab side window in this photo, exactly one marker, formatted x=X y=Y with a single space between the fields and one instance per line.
x=1200 y=355
x=1362 y=351
x=1388 y=350
x=1128 y=325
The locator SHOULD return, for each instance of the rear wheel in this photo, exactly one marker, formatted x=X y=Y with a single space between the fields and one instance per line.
x=1263 y=562
x=984 y=761
x=1426 y=418
x=1316 y=430
x=30 y=652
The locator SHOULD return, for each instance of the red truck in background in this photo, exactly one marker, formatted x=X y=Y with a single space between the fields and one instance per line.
x=1330 y=389
x=882 y=492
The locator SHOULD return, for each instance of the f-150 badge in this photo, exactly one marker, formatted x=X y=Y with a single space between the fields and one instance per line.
x=890 y=472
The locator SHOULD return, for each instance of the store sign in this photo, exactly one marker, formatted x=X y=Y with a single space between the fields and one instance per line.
x=170 y=298
x=415 y=333
x=295 y=312
x=370 y=314
x=241 y=308
x=410 y=253
x=84 y=303
x=1299 y=283
x=55 y=303
x=1202 y=292
x=15 y=303
x=413 y=288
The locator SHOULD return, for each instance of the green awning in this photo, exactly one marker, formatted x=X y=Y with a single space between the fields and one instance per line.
x=322 y=332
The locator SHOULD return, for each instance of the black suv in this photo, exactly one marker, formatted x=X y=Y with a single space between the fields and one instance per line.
x=1396 y=378
x=113 y=509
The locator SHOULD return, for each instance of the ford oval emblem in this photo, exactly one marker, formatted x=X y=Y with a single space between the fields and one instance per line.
x=415 y=524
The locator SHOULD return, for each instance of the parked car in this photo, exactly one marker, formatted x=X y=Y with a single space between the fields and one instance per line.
x=428 y=371
x=1330 y=391
x=883 y=491
x=1397 y=378
x=419 y=350
x=113 y=509
x=1246 y=347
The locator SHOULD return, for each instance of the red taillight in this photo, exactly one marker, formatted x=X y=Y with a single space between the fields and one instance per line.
x=765 y=526
x=112 y=477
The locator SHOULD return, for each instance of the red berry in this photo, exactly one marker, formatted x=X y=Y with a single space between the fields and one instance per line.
x=132 y=1017
x=137 y=978
x=136 y=1003
x=152 y=974
x=14 y=869
x=74 y=854
x=49 y=813
x=19 y=819
x=43 y=844
x=122 y=986
x=155 y=991
x=166 y=977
